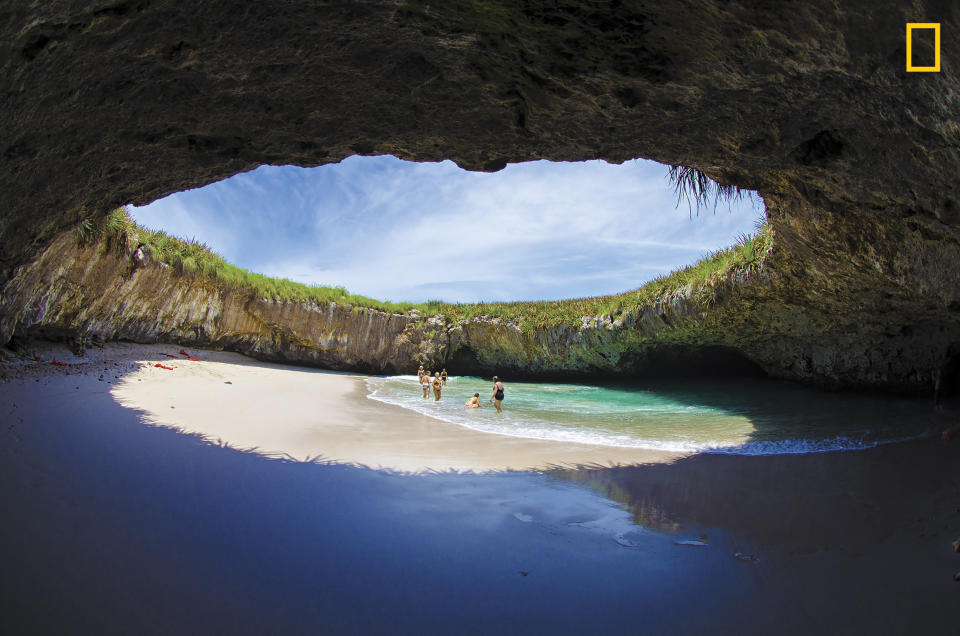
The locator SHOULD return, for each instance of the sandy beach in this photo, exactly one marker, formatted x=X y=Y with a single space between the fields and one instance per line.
x=113 y=524
x=307 y=414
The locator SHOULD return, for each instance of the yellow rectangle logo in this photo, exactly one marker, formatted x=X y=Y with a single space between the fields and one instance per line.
x=936 y=47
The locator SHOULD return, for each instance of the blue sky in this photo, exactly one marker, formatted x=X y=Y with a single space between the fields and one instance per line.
x=398 y=230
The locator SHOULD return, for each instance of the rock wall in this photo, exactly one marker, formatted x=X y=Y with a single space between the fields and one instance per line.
x=100 y=292
x=758 y=320
x=103 y=291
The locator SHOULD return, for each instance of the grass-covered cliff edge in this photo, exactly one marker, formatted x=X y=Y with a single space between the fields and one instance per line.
x=118 y=231
x=114 y=280
x=754 y=306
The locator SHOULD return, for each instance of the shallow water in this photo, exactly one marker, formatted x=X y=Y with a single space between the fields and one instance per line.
x=748 y=417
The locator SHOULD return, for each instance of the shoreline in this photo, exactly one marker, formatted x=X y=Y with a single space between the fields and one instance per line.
x=324 y=416
x=329 y=415
x=118 y=525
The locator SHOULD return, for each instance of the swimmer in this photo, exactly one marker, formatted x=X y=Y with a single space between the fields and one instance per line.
x=497 y=397
x=473 y=403
x=425 y=385
x=443 y=377
x=437 y=387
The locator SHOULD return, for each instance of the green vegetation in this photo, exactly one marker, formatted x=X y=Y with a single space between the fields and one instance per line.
x=698 y=189
x=701 y=279
x=118 y=231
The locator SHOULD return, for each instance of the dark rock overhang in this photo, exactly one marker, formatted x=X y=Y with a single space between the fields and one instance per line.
x=107 y=103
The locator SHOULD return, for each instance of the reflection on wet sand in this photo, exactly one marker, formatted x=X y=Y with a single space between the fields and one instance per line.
x=121 y=526
x=797 y=503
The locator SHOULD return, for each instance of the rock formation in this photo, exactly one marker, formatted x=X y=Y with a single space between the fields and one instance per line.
x=107 y=103
x=738 y=324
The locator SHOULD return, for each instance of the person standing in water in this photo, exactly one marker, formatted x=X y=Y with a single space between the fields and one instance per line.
x=437 y=387
x=420 y=373
x=473 y=403
x=497 y=397
x=443 y=377
x=425 y=385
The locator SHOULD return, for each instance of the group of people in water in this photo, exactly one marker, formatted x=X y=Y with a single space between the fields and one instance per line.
x=438 y=380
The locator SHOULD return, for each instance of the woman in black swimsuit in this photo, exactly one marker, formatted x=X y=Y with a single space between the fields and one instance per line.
x=497 y=397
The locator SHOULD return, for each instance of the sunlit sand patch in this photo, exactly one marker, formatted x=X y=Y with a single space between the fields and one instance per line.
x=312 y=415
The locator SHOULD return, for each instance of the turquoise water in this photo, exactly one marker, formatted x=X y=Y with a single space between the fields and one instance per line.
x=749 y=417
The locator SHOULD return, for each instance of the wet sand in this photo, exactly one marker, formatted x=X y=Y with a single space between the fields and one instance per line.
x=114 y=525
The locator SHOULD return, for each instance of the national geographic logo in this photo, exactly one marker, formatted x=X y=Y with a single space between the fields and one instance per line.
x=924 y=57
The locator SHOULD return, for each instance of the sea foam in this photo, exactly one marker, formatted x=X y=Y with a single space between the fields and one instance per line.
x=755 y=418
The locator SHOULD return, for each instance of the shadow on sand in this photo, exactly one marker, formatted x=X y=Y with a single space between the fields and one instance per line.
x=115 y=526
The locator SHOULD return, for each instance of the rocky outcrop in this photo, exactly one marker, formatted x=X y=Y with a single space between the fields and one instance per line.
x=111 y=102
x=103 y=291
x=99 y=292
x=738 y=324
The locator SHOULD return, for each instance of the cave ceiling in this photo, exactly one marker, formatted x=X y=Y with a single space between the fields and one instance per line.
x=108 y=103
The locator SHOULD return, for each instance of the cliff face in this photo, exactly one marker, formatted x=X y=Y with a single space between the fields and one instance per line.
x=124 y=101
x=99 y=292
x=102 y=292
x=739 y=324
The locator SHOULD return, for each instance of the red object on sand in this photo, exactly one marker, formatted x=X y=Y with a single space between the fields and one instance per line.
x=163 y=367
x=193 y=359
x=170 y=355
x=59 y=364
x=184 y=353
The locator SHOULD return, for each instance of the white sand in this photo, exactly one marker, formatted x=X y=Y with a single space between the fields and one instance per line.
x=304 y=413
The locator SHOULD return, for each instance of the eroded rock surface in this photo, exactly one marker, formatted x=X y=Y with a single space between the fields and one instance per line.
x=106 y=103
x=103 y=291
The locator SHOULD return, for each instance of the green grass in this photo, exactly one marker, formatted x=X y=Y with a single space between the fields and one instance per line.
x=190 y=258
x=702 y=279
x=698 y=189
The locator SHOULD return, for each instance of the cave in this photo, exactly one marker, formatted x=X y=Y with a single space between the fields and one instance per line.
x=467 y=362
x=699 y=362
x=109 y=103
x=119 y=520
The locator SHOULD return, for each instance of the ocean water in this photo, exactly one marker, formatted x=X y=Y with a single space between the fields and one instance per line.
x=748 y=417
